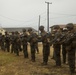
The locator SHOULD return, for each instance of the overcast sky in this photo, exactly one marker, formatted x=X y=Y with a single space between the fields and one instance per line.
x=25 y=13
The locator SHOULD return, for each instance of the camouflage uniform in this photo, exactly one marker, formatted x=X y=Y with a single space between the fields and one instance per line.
x=36 y=46
x=7 y=42
x=64 y=52
x=32 y=40
x=37 y=49
x=17 y=41
x=46 y=45
x=52 y=37
x=57 y=46
x=3 y=43
x=0 y=41
x=20 y=42
x=24 y=43
x=13 y=42
x=71 y=47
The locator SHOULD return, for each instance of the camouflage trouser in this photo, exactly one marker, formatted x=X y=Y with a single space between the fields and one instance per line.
x=57 y=56
x=3 y=46
x=75 y=57
x=36 y=48
x=0 y=45
x=71 y=60
x=7 y=46
x=16 y=49
x=46 y=52
x=25 y=51
x=32 y=52
x=64 y=52
x=20 y=49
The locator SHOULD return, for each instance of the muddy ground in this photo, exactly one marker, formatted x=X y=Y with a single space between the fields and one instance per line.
x=10 y=64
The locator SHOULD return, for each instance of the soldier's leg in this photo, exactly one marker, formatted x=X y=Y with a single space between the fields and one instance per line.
x=75 y=55
x=25 y=51
x=58 y=60
x=2 y=46
x=45 y=56
x=20 y=49
x=33 y=53
x=8 y=47
x=5 y=47
x=64 y=54
x=17 y=50
x=71 y=60
x=47 y=53
x=14 y=47
x=46 y=59
x=57 y=57
x=37 y=48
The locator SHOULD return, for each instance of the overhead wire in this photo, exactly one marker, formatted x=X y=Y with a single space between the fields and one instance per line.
x=35 y=19
x=63 y=14
x=10 y=18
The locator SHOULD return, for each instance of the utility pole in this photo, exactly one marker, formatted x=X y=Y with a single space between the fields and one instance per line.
x=48 y=15
x=38 y=24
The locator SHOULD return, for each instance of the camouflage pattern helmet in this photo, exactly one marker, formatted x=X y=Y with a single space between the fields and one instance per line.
x=56 y=27
x=16 y=32
x=24 y=30
x=41 y=27
x=5 y=32
x=30 y=29
x=70 y=26
x=12 y=32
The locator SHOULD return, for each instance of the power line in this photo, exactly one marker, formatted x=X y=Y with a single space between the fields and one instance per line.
x=10 y=18
x=63 y=14
x=20 y=20
x=60 y=17
x=35 y=18
x=16 y=20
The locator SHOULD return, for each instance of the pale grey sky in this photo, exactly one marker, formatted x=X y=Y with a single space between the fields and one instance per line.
x=25 y=13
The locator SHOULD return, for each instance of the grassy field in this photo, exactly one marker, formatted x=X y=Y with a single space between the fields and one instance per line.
x=10 y=64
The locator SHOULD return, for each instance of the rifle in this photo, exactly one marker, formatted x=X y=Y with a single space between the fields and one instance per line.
x=69 y=37
x=58 y=38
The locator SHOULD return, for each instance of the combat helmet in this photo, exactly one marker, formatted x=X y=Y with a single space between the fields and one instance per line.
x=24 y=30
x=70 y=26
x=30 y=29
x=12 y=32
x=6 y=32
x=56 y=27
x=16 y=32
x=41 y=28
